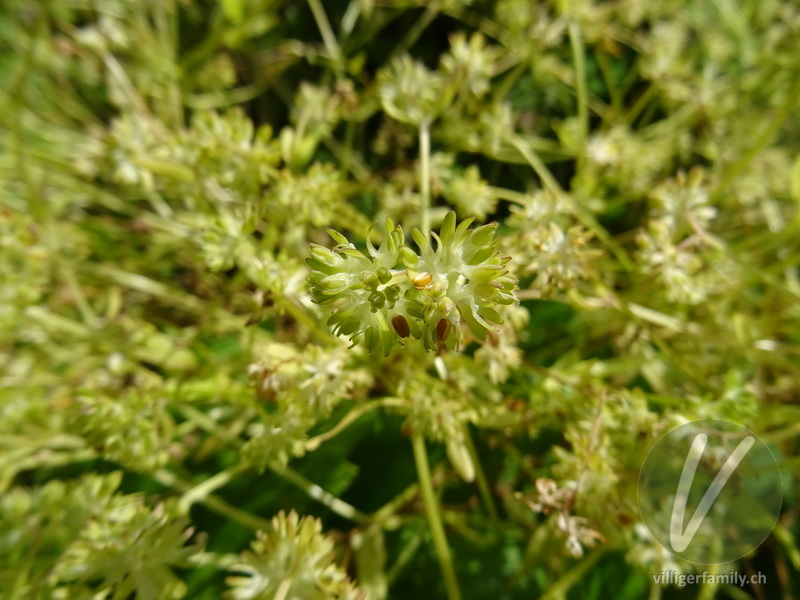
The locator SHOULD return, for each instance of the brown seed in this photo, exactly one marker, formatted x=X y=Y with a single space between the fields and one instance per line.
x=443 y=328
x=401 y=326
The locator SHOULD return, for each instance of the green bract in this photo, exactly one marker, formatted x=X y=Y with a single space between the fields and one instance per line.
x=376 y=301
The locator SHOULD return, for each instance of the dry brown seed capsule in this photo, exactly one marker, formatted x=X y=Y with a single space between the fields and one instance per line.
x=401 y=326
x=422 y=280
x=443 y=328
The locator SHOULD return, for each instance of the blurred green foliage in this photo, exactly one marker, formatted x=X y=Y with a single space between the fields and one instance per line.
x=177 y=419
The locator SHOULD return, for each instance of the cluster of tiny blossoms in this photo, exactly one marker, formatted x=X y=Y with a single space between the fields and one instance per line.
x=393 y=292
x=294 y=560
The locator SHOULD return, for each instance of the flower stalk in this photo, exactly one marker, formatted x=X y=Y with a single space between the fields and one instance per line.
x=434 y=517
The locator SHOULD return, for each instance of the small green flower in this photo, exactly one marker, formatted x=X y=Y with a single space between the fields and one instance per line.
x=409 y=92
x=470 y=192
x=129 y=550
x=469 y=280
x=364 y=289
x=472 y=62
x=463 y=278
x=294 y=560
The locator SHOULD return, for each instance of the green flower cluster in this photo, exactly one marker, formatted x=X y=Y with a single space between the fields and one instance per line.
x=84 y=539
x=395 y=292
x=294 y=560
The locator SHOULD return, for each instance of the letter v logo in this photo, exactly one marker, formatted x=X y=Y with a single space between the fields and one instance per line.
x=679 y=537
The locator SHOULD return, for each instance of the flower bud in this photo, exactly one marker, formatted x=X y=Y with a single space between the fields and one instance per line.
x=370 y=280
x=392 y=294
x=334 y=284
x=384 y=275
x=377 y=299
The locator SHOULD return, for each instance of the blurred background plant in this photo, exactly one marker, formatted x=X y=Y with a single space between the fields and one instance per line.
x=178 y=420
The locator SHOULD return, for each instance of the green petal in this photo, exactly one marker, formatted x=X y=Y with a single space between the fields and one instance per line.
x=461 y=231
x=484 y=234
x=317 y=265
x=490 y=314
x=474 y=325
x=408 y=257
x=340 y=239
x=420 y=239
x=370 y=247
x=448 y=228
x=480 y=255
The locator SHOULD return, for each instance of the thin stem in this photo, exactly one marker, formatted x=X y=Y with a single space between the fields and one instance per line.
x=576 y=42
x=586 y=218
x=340 y=507
x=146 y=285
x=43 y=460
x=212 y=100
x=608 y=76
x=434 y=518
x=425 y=177
x=474 y=20
x=708 y=589
x=165 y=17
x=84 y=308
x=537 y=164
x=328 y=38
x=348 y=419
x=347 y=153
x=348 y=156
x=655 y=588
x=126 y=87
x=593 y=437
x=639 y=105
x=508 y=81
x=560 y=588
x=509 y=195
x=387 y=516
x=214 y=503
x=350 y=17
x=735 y=592
x=413 y=34
x=203 y=489
x=480 y=477
x=405 y=555
x=655 y=591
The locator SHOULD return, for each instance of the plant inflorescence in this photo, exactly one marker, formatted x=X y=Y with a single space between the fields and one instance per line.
x=395 y=292
x=559 y=229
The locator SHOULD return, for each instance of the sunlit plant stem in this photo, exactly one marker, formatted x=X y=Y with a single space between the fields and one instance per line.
x=434 y=517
